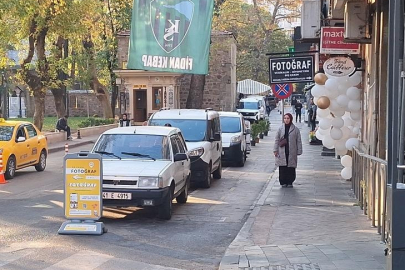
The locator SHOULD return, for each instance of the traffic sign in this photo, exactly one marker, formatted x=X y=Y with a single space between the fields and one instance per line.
x=282 y=91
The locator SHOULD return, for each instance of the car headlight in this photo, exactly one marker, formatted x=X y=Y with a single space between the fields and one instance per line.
x=149 y=182
x=198 y=152
x=235 y=139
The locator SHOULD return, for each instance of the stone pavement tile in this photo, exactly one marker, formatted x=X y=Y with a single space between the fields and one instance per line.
x=328 y=266
x=317 y=257
x=243 y=261
x=294 y=260
x=346 y=264
x=230 y=260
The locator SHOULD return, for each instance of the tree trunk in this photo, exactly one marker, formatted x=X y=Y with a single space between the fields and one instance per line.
x=196 y=92
x=39 y=101
x=99 y=89
x=59 y=98
x=59 y=93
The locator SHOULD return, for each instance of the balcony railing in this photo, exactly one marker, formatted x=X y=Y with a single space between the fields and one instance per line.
x=369 y=183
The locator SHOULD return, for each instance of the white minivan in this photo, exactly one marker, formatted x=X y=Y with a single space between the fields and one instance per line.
x=202 y=132
x=252 y=108
x=234 y=147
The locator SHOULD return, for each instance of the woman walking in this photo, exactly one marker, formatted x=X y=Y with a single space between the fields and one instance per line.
x=287 y=148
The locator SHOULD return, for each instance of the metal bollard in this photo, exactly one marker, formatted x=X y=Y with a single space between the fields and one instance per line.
x=66 y=148
x=78 y=134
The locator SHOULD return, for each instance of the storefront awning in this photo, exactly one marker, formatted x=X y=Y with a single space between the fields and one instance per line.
x=250 y=87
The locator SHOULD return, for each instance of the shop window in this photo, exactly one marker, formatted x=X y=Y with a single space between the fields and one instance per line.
x=157 y=100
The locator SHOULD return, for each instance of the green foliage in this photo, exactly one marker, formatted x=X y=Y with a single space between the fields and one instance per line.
x=255 y=129
x=89 y=122
x=262 y=126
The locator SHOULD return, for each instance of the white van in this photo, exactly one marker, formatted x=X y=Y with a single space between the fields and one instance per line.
x=234 y=141
x=252 y=108
x=201 y=130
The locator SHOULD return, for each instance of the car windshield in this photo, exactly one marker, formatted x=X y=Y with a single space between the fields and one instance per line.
x=193 y=130
x=133 y=146
x=6 y=132
x=249 y=105
x=230 y=124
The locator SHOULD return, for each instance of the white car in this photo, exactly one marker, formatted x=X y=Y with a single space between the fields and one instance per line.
x=252 y=108
x=234 y=143
x=202 y=133
x=144 y=166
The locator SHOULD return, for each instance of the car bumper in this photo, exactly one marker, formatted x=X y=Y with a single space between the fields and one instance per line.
x=232 y=153
x=199 y=170
x=138 y=197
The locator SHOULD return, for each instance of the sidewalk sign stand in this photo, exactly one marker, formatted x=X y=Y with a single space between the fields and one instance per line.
x=83 y=204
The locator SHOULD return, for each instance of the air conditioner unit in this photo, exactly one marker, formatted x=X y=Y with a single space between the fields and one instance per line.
x=337 y=10
x=310 y=19
x=356 y=20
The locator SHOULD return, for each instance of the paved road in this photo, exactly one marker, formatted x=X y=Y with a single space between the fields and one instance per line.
x=196 y=237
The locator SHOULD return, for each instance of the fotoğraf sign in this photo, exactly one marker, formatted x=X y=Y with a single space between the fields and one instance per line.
x=332 y=42
x=339 y=66
x=293 y=69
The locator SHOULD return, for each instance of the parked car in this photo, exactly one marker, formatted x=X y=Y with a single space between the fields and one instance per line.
x=144 y=166
x=252 y=108
x=234 y=143
x=23 y=145
x=202 y=133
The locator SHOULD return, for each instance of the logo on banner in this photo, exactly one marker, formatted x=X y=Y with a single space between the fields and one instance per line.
x=170 y=22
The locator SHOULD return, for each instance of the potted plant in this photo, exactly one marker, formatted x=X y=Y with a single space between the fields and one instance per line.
x=267 y=128
x=262 y=125
x=255 y=133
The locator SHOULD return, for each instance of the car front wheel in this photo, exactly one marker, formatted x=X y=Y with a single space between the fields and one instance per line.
x=218 y=172
x=207 y=182
x=42 y=162
x=182 y=198
x=10 y=168
x=165 y=210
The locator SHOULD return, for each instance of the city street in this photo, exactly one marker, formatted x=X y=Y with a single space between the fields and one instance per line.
x=196 y=237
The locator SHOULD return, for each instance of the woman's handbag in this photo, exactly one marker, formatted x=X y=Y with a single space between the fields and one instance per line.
x=282 y=142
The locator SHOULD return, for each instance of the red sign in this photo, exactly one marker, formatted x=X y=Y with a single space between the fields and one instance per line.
x=332 y=42
x=282 y=91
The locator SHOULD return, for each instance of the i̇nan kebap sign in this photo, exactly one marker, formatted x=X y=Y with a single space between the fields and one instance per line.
x=171 y=35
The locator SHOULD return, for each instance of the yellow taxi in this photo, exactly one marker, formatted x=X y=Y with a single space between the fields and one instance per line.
x=23 y=145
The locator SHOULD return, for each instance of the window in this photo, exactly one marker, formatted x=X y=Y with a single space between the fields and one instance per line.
x=31 y=131
x=230 y=124
x=157 y=93
x=193 y=130
x=6 y=132
x=21 y=133
x=174 y=145
x=181 y=147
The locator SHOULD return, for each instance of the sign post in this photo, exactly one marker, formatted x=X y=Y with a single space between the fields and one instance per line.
x=293 y=69
x=83 y=178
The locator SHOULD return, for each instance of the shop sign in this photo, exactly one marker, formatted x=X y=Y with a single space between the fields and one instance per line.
x=332 y=42
x=294 y=69
x=339 y=66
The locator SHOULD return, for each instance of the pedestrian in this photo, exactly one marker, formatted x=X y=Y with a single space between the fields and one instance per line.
x=124 y=121
x=287 y=148
x=312 y=114
x=298 y=108
x=62 y=124
x=268 y=108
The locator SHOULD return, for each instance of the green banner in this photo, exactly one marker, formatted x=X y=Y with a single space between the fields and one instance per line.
x=171 y=35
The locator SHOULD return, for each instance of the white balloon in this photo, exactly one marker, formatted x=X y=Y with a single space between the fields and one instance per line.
x=318 y=90
x=325 y=123
x=336 y=133
x=346 y=161
x=319 y=135
x=354 y=105
x=353 y=93
x=328 y=142
x=346 y=173
x=343 y=100
x=324 y=132
x=341 y=152
x=332 y=84
x=316 y=100
x=352 y=142
x=334 y=106
x=333 y=93
x=338 y=122
x=339 y=113
x=355 y=79
x=340 y=145
x=346 y=132
x=355 y=116
x=323 y=113
x=356 y=130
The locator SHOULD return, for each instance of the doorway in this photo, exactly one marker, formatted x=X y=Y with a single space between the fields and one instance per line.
x=140 y=105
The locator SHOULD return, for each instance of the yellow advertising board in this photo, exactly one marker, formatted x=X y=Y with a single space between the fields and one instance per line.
x=83 y=189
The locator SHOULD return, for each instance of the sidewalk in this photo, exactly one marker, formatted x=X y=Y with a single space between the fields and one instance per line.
x=314 y=226
x=60 y=146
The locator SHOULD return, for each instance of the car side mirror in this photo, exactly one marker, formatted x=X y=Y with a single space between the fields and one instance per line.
x=180 y=157
x=20 y=139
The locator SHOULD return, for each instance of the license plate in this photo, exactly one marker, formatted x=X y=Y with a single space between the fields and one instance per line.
x=117 y=196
